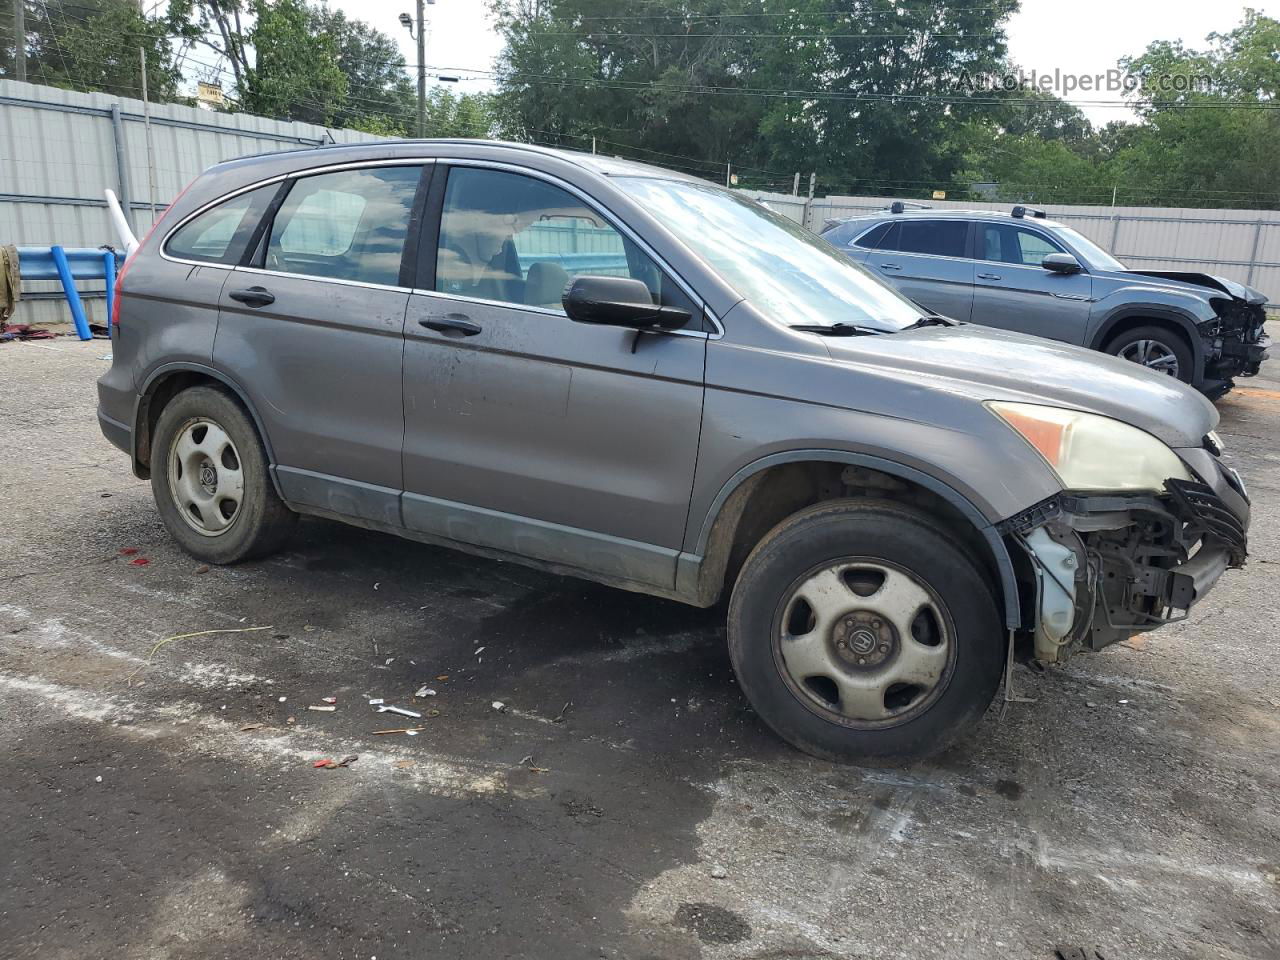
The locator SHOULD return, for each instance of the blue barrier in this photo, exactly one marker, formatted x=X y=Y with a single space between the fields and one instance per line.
x=67 y=265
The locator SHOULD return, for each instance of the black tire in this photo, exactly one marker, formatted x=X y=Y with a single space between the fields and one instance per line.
x=911 y=543
x=260 y=523
x=1168 y=341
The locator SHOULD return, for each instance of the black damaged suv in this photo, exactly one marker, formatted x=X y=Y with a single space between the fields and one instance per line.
x=1024 y=272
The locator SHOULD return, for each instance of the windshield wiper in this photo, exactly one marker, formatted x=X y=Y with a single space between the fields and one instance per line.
x=933 y=320
x=836 y=330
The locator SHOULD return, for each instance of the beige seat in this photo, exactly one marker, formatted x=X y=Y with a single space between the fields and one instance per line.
x=544 y=286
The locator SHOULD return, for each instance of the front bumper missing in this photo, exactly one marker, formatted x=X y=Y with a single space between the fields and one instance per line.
x=1102 y=568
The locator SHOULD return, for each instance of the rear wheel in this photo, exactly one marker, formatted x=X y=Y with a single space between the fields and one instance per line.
x=859 y=631
x=1156 y=348
x=211 y=483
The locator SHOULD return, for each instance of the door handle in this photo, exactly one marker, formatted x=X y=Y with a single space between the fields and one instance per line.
x=988 y=276
x=452 y=323
x=253 y=297
x=889 y=266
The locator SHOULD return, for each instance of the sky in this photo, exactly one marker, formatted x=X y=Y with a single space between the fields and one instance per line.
x=1080 y=37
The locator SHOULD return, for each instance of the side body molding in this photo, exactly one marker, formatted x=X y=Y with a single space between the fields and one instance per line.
x=690 y=564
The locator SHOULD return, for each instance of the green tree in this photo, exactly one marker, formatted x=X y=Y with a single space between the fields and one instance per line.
x=93 y=45
x=378 y=84
x=295 y=72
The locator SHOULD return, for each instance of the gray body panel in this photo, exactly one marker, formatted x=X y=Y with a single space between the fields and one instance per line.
x=943 y=284
x=1033 y=300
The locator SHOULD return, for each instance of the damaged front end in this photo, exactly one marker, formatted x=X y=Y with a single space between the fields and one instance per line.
x=1235 y=341
x=1100 y=568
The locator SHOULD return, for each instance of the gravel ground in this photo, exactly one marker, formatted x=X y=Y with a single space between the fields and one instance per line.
x=159 y=803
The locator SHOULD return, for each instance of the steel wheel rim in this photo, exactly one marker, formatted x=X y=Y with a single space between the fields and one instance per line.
x=206 y=477
x=1153 y=355
x=877 y=649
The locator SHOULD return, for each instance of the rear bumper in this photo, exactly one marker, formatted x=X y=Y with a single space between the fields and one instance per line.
x=120 y=434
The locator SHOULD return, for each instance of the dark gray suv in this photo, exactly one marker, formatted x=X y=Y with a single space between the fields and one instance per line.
x=1024 y=272
x=617 y=372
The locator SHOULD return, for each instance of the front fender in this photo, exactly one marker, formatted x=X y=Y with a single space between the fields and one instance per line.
x=1185 y=312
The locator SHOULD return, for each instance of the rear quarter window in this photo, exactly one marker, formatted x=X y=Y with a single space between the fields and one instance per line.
x=221 y=233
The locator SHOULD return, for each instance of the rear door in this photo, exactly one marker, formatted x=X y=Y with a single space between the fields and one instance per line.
x=1012 y=290
x=927 y=261
x=311 y=325
x=527 y=432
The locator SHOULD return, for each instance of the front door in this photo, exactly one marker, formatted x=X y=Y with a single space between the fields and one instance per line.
x=525 y=431
x=1012 y=290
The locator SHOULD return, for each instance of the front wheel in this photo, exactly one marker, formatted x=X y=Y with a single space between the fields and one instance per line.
x=1156 y=348
x=210 y=481
x=859 y=631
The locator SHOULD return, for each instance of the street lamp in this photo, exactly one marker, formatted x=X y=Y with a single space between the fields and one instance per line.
x=420 y=36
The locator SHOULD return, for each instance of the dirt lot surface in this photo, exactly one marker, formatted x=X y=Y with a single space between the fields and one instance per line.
x=158 y=803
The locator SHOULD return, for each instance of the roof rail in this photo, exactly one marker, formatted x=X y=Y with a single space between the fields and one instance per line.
x=1021 y=212
x=900 y=206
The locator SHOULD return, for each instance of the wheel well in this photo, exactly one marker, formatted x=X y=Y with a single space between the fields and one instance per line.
x=767 y=498
x=153 y=403
x=1126 y=324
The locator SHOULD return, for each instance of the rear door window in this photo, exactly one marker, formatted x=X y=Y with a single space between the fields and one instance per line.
x=938 y=238
x=347 y=225
x=220 y=234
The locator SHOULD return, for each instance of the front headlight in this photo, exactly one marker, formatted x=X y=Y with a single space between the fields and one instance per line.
x=1091 y=452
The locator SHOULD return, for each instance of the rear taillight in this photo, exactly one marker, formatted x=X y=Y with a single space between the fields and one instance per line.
x=124 y=267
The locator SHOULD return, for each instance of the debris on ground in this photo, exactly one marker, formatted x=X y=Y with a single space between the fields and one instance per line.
x=252 y=726
x=442 y=677
x=387 y=708
x=1078 y=953
x=411 y=731
x=188 y=636
x=290 y=720
x=499 y=706
x=139 y=562
x=128 y=551
x=559 y=717
x=329 y=699
x=718 y=872
x=424 y=692
x=327 y=764
x=203 y=568
x=322 y=707
x=24 y=331
x=282 y=699
x=376 y=702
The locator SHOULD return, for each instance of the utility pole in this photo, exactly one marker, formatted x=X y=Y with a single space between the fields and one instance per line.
x=20 y=40
x=422 y=70
x=593 y=144
x=728 y=172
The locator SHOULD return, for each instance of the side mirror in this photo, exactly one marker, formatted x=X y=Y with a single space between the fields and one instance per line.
x=619 y=302
x=1061 y=263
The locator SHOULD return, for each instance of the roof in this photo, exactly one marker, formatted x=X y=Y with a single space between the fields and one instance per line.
x=599 y=163
x=951 y=214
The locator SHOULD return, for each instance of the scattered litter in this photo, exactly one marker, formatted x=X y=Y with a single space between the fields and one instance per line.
x=97 y=779
x=328 y=764
x=252 y=726
x=718 y=872
x=309 y=628
x=387 y=708
x=559 y=717
x=322 y=708
x=424 y=692
x=412 y=731
x=1078 y=953
x=377 y=585
x=291 y=720
x=1124 y=701
x=402 y=764
x=106 y=356
x=390 y=661
x=139 y=562
x=203 y=568
x=1090 y=704
x=442 y=677
x=377 y=702
x=479 y=650
x=105 y=496
x=499 y=706
x=128 y=551
x=282 y=699
x=329 y=699
x=526 y=760
x=188 y=636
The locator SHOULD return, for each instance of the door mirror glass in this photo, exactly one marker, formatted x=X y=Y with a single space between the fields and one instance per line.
x=619 y=302
x=1061 y=263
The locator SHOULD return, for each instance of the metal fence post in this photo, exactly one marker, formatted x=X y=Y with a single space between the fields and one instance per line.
x=122 y=163
x=1253 y=257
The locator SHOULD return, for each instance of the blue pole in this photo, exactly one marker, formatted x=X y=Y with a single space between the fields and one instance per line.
x=73 y=295
x=109 y=275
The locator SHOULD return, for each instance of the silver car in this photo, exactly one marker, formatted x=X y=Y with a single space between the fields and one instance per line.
x=1022 y=271
x=617 y=372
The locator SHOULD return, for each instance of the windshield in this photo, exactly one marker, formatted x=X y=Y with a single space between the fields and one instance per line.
x=1094 y=255
x=784 y=270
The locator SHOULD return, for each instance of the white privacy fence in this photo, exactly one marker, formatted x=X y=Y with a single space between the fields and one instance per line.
x=1242 y=245
x=59 y=150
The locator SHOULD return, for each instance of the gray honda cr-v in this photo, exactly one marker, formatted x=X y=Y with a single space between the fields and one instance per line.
x=621 y=373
